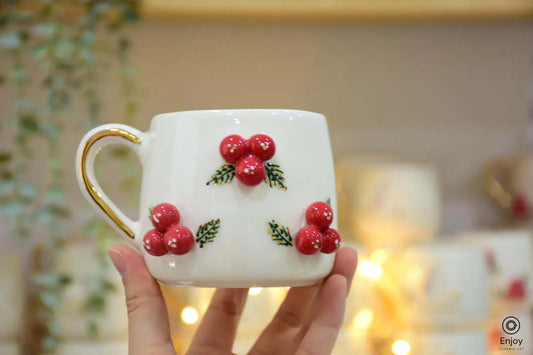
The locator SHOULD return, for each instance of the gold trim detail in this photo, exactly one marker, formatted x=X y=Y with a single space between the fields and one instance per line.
x=494 y=187
x=91 y=189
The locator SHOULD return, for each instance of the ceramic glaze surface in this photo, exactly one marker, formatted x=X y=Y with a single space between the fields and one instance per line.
x=389 y=202
x=179 y=155
x=445 y=285
x=508 y=256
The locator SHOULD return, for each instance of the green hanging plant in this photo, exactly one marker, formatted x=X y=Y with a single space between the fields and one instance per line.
x=68 y=56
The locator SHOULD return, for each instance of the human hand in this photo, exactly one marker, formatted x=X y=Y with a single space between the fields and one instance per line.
x=307 y=321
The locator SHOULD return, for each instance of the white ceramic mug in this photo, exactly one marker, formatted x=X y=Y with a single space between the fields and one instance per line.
x=244 y=235
x=508 y=255
x=510 y=183
x=386 y=202
x=443 y=285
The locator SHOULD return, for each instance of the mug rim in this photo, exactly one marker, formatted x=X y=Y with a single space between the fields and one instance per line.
x=166 y=115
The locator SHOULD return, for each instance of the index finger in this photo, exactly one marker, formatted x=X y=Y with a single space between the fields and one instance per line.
x=217 y=331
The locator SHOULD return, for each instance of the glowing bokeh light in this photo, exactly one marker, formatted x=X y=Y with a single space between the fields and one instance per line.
x=363 y=319
x=254 y=291
x=189 y=315
x=401 y=347
x=369 y=269
x=378 y=256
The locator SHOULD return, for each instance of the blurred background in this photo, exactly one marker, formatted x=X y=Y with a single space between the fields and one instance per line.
x=429 y=106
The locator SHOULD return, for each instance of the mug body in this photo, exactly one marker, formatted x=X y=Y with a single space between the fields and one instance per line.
x=508 y=257
x=443 y=285
x=237 y=227
x=388 y=202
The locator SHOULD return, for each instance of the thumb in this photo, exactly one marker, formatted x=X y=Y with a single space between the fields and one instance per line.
x=149 y=331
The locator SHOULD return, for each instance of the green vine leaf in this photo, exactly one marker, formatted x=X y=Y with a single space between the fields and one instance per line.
x=274 y=176
x=280 y=234
x=10 y=40
x=328 y=201
x=207 y=232
x=222 y=176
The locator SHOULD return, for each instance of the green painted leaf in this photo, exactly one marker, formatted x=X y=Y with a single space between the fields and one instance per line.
x=274 y=176
x=222 y=176
x=207 y=232
x=280 y=234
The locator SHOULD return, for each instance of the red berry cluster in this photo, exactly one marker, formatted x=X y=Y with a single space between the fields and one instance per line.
x=516 y=290
x=520 y=207
x=317 y=236
x=248 y=155
x=167 y=236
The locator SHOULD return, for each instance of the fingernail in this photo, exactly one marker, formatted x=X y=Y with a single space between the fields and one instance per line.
x=118 y=260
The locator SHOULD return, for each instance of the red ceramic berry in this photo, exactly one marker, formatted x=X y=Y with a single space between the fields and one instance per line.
x=163 y=216
x=520 y=207
x=320 y=215
x=154 y=243
x=516 y=291
x=250 y=171
x=179 y=240
x=262 y=146
x=331 y=241
x=233 y=148
x=308 y=240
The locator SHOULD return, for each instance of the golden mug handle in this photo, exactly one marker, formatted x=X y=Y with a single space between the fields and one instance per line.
x=89 y=147
x=495 y=187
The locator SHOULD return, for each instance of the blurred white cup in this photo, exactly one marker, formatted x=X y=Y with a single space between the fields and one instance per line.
x=509 y=261
x=386 y=202
x=443 y=285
